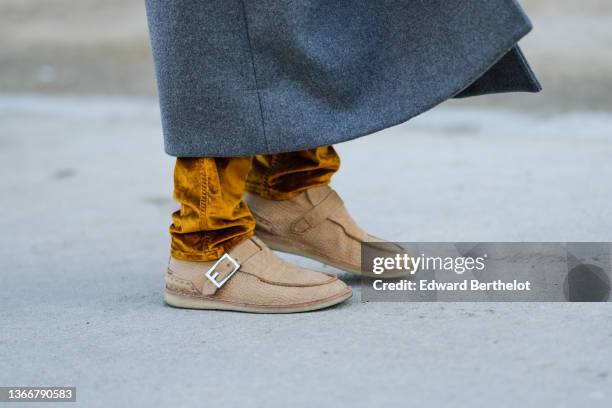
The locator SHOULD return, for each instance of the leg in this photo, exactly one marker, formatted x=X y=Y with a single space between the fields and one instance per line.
x=286 y=175
x=216 y=263
x=213 y=216
x=298 y=212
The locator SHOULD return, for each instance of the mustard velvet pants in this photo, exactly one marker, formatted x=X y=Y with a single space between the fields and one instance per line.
x=213 y=216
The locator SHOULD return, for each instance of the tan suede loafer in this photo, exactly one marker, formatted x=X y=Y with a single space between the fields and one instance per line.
x=251 y=278
x=316 y=225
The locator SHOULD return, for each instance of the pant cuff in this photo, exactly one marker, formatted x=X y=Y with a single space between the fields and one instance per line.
x=211 y=254
x=271 y=194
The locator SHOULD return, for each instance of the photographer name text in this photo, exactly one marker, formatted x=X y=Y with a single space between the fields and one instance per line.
x=461 y=286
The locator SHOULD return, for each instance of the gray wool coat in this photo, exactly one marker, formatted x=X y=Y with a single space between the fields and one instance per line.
x=246 y=77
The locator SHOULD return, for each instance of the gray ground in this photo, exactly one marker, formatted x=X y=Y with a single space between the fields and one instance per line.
x=85 y=209
x=85 y=203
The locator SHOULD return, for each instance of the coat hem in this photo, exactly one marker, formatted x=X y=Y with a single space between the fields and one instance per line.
x=387 y=120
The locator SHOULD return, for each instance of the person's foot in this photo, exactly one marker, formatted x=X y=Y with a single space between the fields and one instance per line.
x=316 y=225
x=251 y=278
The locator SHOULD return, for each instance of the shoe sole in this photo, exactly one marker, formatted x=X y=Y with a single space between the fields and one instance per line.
x=276 y=246
x=194 y=303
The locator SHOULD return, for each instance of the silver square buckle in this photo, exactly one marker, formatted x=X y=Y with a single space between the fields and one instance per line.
x=212 y=274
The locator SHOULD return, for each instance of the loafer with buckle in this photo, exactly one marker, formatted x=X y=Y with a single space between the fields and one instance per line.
x=317 y=225
x=251 y=278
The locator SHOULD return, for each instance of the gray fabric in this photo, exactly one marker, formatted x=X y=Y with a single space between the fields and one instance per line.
x=245 y=77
